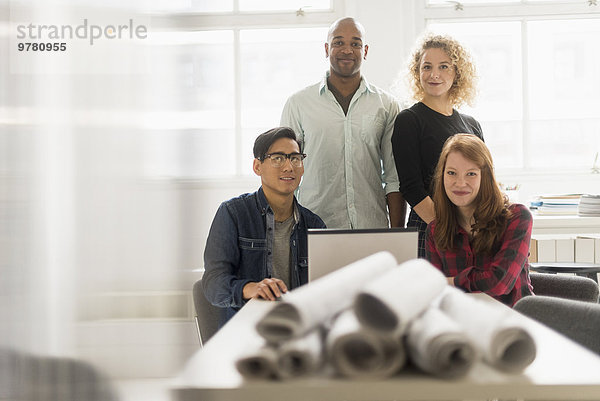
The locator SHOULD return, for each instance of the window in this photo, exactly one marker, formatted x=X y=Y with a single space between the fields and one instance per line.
x=275 y=64
x=223 y=86
x=193 y=105
x=539 y=81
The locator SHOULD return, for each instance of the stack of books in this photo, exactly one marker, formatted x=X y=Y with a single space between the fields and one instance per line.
x=589 y=205
x=557 y=205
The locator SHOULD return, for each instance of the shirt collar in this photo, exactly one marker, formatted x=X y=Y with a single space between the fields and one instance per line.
x=265 y=208
x=263 y=205
x=296 y=212
x=364 y=84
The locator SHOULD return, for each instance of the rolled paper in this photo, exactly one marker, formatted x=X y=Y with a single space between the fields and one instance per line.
x=259 y=363
x=438 y=345
x=354 y=351
x=304 y=308
x=301 y=356
x=495 y=330
x=388 y=303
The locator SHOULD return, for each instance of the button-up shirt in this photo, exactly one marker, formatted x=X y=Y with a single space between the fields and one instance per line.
x=350 y=166
x=504 y=274
x=239 y=249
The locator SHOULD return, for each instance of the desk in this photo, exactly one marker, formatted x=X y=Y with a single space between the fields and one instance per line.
x=562 y=370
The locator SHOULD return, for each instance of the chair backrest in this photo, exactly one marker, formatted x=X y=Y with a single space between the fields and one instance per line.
x=207 y=315
x=580 y=321
x=563 y=286
x=25 y=376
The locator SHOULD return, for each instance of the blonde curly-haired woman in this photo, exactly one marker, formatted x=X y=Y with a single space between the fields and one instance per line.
x=442 y=77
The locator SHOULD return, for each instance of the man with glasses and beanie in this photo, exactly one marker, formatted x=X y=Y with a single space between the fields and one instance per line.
x=257 y=244
x=346 y=124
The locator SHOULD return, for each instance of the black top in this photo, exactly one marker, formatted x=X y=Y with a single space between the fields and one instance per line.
x=419 y=135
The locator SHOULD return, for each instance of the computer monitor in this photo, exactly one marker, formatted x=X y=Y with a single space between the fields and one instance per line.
x=330 y=249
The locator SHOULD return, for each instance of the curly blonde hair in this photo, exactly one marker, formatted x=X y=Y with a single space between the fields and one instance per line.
x=463 y=89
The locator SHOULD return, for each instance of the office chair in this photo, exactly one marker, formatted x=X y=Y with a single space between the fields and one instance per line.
x=580 y=321
x=30 y=377
x=563 y=286
x=207 y=315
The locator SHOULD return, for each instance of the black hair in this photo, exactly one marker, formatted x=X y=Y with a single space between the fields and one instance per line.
x=264 y=141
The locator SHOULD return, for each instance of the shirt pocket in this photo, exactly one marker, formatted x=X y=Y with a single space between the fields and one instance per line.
x=252 y=244
x=371 y=129
x=303 y=270
x=253 y=254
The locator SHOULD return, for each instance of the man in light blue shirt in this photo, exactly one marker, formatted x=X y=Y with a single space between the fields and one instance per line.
x=346 y=125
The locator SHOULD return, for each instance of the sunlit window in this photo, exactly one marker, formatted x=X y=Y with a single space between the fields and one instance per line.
x=275 y=64
x=564 y=77
x=496 y=48
x=193 y=103
x=539 y=89
x=205 y=126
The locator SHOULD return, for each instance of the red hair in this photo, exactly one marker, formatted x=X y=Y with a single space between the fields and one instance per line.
x=491 y=205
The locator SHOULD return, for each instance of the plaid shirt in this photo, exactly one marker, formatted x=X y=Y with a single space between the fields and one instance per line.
x=503 y=275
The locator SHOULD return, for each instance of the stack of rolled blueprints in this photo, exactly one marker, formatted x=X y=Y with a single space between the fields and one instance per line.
x=367 y=319
x=291 y=331
x=399 y=303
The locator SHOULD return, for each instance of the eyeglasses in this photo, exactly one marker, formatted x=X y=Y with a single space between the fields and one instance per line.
x=278 y=159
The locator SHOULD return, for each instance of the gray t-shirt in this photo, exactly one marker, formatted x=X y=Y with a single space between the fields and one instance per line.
x=282 y=258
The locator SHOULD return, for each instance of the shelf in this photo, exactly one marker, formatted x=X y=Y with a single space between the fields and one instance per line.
x=565 y=224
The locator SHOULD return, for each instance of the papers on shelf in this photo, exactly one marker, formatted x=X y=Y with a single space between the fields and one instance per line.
x=589 y=205
x=557 y=205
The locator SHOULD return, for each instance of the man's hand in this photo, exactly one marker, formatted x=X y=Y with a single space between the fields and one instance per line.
x=269 y=289
x=450 y=281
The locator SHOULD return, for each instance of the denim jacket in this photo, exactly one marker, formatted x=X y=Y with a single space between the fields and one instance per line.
x=239 y=249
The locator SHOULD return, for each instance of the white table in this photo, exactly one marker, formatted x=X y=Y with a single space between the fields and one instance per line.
x=562 y=370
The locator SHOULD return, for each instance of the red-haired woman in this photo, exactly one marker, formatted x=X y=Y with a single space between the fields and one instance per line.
x=478 y=239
